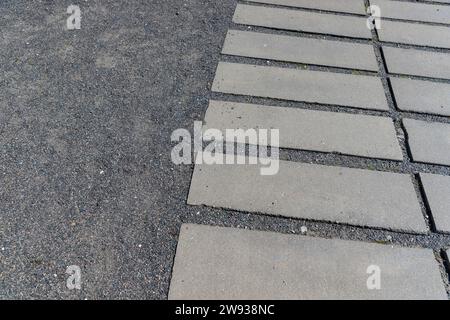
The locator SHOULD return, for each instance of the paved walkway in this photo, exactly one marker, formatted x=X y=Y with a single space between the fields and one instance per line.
x=380 y=95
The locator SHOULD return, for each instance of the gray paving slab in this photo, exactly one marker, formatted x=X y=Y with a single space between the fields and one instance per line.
x=348 y=6
x=413 y=11
x=318 y=192
x=417 y=62
x=301 y=85
x=361 y=135
x=302 y=50
x=429 y=141
x=437 y=190
x=229 y=263
x=422 y=96
x=297 y=20
x=415 y=33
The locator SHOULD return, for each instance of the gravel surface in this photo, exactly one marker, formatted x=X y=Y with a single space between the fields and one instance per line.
x=86 y=117
x=85 y=122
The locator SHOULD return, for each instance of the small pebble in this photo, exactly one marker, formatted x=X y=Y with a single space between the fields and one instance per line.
x=303 y=229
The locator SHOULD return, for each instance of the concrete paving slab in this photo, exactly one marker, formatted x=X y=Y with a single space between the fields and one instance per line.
x=302 y=50
x=318 y=192
x=301 y=85
x=429 y=141
x=422 y=96
x=437 y=190
x=229 y=263
x=360 y=135
x=417 y=62
x=348 y=6
x=413 y=11
x=297 y=20
x=415 y=33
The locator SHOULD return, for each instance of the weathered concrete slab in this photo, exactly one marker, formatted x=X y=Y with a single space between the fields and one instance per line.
x=305 y=21
x=417 y=62
x=300 y=190
x=301 y=85
x=413 y=11
x=415 y=33
x=228 y=263
x=348 y=6
x=302 y=50
x=429 y=141
x=422 y=96
x=366 y=136
x=437 y=190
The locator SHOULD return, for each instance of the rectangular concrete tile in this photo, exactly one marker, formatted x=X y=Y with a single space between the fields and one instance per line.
x=305 y=21
x=413 y=11
x=437 y=190
x=417 y=62
x=302 y=50
x=348 y=6
x=360 y=135
x=318 y=192
x=415 y=33
x=228 y=263
x=422 y=96
x=429 y=141
x=301 y=85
